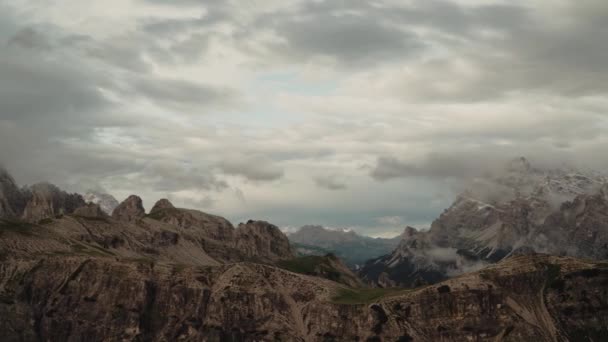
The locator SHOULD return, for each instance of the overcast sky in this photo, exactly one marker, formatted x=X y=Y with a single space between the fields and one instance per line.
x=361 y=114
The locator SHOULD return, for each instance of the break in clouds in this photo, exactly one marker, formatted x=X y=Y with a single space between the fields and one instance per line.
x=338 y=113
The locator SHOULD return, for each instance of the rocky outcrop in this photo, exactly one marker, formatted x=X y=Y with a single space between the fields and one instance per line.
x=205 y=225
x=48 y=201
x=161 y=205
x=12 y=199
x=91 y=211
x=263 y=240
x=532 y=298
x=129 y=210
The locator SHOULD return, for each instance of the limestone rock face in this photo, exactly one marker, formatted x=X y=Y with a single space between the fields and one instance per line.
x=161 y=204
x=263 y=240
x=48 y=201
x=92 y=211
x=12 y=199
x=129 y=210
x=532 y=298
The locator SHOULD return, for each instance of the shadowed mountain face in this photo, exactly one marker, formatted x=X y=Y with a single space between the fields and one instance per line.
x=183 y=275
x=524 y=210
x=351 y=247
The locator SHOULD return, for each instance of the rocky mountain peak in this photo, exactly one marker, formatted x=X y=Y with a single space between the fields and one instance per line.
x=106 y=202
x=262 y=240
x=130 y=209
x=46 y=200
x=162 y=204
x=409 y=232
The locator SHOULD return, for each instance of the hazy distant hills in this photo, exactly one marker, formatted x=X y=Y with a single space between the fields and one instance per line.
x=351 y=247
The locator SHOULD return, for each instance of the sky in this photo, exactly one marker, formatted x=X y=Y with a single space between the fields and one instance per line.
x=361 y=114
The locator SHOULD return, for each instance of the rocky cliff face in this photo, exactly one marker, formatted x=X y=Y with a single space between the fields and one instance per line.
x=529 y=298
x=130 y=210
x=46 y=201
x=524 y=210
x=91 y=211
x=12 y=199
x=262 y=240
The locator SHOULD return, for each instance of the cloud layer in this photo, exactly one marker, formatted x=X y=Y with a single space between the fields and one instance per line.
x=299 y=112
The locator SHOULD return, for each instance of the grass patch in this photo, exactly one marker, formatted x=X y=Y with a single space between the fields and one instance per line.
x=314 y=265
x=365 y=295
x=553 y=275
x=162 y=213
x=304 y=265
x=18 y=227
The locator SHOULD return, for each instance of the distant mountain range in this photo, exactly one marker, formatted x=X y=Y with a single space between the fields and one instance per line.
x=69 y=271
x=351 y=247
x=521 y=210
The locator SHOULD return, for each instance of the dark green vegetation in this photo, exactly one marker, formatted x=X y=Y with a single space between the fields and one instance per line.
x=553 y=276
x=157 y=215
x=313 y=265
x=18 y=227
x=302 y=249
x=328 y=267
x=365 y=295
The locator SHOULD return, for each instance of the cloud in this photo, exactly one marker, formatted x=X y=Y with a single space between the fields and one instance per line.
x=392 y=104
x=348 y=38
x=183 y=94
x=253 y=169
x=330 y=182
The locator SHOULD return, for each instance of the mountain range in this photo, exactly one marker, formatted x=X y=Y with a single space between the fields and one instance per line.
x=351 y=247
x=69 y=271
x=521 y=210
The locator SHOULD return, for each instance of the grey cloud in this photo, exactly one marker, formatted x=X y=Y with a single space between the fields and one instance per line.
x=30 y=38
x=32 y=86
x=180 y=93
x=254 y=169
x=351 y=39
x=330 y=182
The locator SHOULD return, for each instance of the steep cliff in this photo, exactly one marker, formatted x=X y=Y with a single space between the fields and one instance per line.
x=73 y=298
